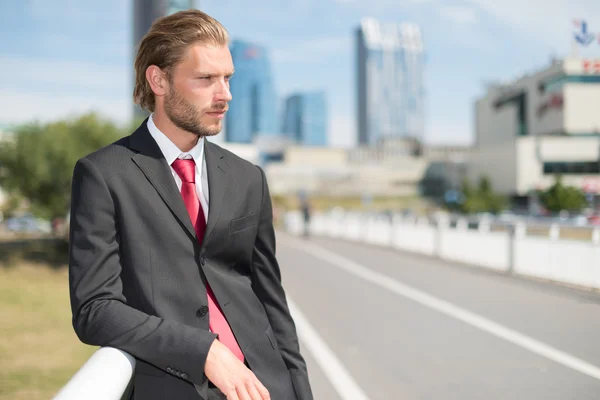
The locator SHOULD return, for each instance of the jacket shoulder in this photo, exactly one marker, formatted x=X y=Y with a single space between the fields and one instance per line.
x=233 y=160
x=110 y=157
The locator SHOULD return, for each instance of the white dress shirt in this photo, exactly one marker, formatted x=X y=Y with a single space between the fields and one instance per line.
x=171 y=152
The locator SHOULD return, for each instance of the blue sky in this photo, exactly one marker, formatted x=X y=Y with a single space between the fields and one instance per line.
x=64 y=57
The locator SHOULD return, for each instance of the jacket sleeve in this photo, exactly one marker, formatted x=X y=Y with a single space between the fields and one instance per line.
x=267 y=286
x=101 y=315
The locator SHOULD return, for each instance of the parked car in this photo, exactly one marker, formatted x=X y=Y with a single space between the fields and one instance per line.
x=28 y=224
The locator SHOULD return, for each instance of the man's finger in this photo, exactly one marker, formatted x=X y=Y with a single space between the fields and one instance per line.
x=253 y=391
x=232 y=396
x=242 y=393
x=264 y=393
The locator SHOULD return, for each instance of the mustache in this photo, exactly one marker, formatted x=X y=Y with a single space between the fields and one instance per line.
x=219 y=107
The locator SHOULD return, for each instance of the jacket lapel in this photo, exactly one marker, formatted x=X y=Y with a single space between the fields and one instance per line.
x=151 y=161
x=218 y=184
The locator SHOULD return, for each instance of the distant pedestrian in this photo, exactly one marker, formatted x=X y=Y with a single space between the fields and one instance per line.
x=306 y=215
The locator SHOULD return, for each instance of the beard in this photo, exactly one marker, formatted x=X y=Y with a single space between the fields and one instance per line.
x=187 y=117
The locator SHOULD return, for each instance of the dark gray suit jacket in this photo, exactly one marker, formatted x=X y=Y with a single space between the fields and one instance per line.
x=137 y=270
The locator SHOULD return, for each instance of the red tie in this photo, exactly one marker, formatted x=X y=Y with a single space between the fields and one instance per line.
x=186 y=169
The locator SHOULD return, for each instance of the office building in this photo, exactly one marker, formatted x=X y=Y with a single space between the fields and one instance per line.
x=253 y=108
x=390 y=90
x=305 y=119
x=538 y=126
x=144 y=14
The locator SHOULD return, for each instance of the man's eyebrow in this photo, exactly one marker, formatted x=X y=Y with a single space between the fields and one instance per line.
x=212 y=74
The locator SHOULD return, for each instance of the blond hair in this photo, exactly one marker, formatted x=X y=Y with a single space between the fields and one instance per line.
x=165 y=44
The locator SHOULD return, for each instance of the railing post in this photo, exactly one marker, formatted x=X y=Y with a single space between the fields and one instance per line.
x=484 y=225
x=516 y=232
x=392 y=230
x=596 y=236
x=442 y=224
x=554 y=233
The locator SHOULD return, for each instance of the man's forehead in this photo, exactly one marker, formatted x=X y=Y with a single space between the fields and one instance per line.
x=208 y=56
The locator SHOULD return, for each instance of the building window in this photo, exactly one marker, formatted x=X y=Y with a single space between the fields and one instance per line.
x=518 y=100
x=558 y=82
x=572 y=168
x=522 y=116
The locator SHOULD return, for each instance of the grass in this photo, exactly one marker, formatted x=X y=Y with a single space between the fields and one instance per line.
x=565 y=233
x=354 y=203
x=39 y=351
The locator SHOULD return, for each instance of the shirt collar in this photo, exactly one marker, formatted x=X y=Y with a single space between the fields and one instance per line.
x=170 y=151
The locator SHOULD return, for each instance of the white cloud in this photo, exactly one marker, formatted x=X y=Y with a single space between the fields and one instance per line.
x=269 y=14
x=459 y=14
x=18 y=107
x=382 y=3
x=48 y=89
x=464 y=29
x=313 y=48
x=77 y=11
x=76 y=75
x=548 y=22
x=114 y=44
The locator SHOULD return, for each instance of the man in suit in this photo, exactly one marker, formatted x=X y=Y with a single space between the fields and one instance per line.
x=172 y=248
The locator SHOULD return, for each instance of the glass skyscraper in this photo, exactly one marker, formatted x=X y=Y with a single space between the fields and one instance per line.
x=305 y=119
x=144 y=14
x=389 y=81
x=253 y=108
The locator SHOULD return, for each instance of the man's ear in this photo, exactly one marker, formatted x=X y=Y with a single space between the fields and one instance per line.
x=157 y=78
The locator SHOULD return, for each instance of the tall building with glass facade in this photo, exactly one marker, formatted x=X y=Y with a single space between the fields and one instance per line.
x=253 y=108
x=390 y=64
x=144 y=14
x=305 y=119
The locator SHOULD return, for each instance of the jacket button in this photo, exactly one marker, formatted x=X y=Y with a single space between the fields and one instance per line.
x=184 y=375
x=202 y=311
x=169 y=370
x=203 y=261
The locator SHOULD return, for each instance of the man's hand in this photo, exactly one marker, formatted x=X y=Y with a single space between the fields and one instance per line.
x=231 y=376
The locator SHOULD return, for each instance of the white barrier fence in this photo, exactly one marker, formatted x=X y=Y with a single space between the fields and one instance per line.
x=105 y=376
x=567 y=261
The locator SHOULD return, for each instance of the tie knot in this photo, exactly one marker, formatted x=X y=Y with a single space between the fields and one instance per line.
x=186 y=169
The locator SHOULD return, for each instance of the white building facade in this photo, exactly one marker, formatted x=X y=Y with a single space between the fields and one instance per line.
x=538 y=126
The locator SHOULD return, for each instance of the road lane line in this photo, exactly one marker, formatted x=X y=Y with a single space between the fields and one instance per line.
x=447 y=308
x=339 y=377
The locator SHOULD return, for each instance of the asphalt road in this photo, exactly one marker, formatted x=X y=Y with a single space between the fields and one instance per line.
x=376 y=323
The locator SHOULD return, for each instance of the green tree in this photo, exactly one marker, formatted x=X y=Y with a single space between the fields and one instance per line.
x=481 y=199
x=467 y=189
x=559 y=197
x=11 y=205
x=38 y=164
x=492 y=202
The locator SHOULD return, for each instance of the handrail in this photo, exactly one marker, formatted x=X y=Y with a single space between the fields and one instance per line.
x=106 y=375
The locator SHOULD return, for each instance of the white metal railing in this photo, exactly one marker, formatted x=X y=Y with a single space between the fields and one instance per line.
x=105 y=376
x=509 y=250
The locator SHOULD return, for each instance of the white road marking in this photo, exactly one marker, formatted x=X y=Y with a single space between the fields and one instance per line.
x=448 y=308
x=339 y=377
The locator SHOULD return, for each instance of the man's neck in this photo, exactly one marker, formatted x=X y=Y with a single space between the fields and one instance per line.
x=184 y=140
